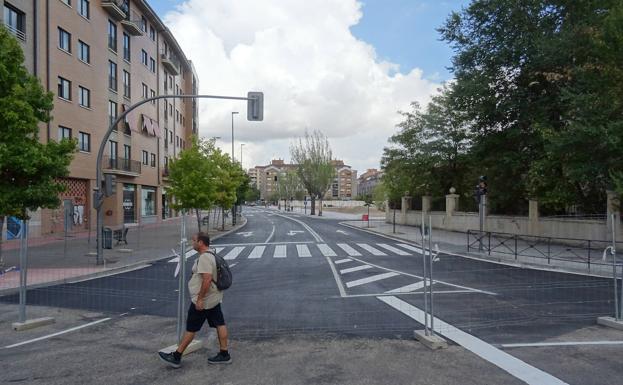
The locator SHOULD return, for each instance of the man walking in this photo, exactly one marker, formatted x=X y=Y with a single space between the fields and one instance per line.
x=205 y=305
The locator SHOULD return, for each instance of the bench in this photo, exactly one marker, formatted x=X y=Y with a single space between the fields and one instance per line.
x=121 y=235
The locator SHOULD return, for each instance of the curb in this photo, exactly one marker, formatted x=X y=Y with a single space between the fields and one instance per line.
x=113 y=270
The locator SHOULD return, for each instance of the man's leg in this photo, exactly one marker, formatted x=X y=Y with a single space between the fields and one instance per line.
x=187 y=338
x=221 y=331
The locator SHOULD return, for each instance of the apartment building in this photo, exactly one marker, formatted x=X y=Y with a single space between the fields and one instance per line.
x=368 y=181
x=99 y=57
x=343 y=187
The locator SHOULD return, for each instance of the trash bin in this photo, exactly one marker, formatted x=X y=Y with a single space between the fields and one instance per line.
x=107 y=238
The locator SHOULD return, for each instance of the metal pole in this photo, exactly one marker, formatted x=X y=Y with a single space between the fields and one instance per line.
x=481 y=217
x=182 y=280
x=232 y=135
x=23 y=269
x=426 y=332
x=394 y=224
x=98 y=195
x=430 y=271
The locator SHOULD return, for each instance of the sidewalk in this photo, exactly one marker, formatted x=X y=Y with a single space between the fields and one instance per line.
x=451 y=242
x=60 y=260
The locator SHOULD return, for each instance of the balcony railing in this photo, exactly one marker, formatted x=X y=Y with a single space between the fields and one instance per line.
x=19 y=34
x=170 y=64
x=132 y=23
x=117 y=9
x=122 y=165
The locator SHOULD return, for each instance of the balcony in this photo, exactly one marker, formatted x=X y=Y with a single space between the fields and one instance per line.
x=121 y=166
x=116 y=9
x=132 y=24
x=169 y=64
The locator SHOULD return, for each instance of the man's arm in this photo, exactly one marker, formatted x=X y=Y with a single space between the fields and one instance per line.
x=206 y=281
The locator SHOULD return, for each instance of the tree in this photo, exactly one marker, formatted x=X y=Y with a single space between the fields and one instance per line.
x=539 y=82
x=288 y=184
x=191 y=178
x=252 y=194
x=227 y=178
x=315 y=169
x=29 y=169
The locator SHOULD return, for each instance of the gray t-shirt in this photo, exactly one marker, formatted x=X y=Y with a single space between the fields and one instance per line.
x=205 y=264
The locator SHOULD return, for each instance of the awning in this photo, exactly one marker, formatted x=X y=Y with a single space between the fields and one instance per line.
x=147 y=126
x=156 y=128
x=132 y=120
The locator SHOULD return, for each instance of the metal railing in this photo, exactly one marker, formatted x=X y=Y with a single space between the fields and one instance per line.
x=122 y=164
x=585 y=251
x=19 y=34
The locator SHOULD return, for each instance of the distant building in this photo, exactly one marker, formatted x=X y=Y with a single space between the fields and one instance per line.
x=266 y=179
x=368 y=181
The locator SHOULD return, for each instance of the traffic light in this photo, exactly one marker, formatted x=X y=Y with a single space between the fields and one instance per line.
x=255 y=106
x=110 y=184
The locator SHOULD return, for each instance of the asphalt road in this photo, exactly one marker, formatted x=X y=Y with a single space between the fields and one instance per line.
x=302 y=275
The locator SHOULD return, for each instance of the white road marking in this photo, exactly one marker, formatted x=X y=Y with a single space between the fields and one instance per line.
x=189 y=254
x=517 y=368
x=245 y=234
x=218 y=249
x=336 y=276
x=271 y=234
x=356 y=268
x=409 y=288
x=393 y=249
x=280 y=251
x=314 y=234
x=326 y=250
x=257 y=252
x=294 y=232
x=371 y=249
x=57 y=333
x=349 y=250
x=343 y=261
x=409 y=247
x=303 y=251
x=373 y=278
x=572 y=343
x=233 y=254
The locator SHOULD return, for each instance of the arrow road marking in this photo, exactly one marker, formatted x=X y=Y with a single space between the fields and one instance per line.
x=245 y=234
x=341 y=232
x=294 y=232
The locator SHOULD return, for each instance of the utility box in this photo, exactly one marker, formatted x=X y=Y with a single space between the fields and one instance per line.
x=107 y=238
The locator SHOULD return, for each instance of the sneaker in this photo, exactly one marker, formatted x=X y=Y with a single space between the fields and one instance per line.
x=170 y=359
x=220 y=358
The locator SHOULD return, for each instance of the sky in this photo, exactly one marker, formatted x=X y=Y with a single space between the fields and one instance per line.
x=343 y=67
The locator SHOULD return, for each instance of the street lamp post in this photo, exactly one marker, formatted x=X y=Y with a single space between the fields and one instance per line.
x=232 y=135
x=241 y=144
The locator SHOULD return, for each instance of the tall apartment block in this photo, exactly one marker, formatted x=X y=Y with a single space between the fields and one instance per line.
x=99 y=57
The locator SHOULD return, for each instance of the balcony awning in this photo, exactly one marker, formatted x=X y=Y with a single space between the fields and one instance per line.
x=131 y=119
x=151 y=126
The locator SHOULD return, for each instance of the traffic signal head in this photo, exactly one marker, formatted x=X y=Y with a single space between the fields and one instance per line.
x=255 y=106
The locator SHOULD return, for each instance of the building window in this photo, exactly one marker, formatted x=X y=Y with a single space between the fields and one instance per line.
x=15 y=21
x=126 y=46
x=152 y=33
x=112 y=75
x=68 y=2
x=112 y=36
x=126 y=84
x=64 y=133
x=64 y=88
x=64 y=40
x=143 y=24
x=145 y=91
x=113 y=149
x=127 y=151
x=171 y=137
x=152 y=65
x=84 y=51
x=143 y=57
x=170 y=82
x=84 y=8
x=84 y=97
x=170 y=109
x=148 y=195
x=145 y=158
x=112 y=112
x=153 y=95
x=84 y=141
x=153 y=160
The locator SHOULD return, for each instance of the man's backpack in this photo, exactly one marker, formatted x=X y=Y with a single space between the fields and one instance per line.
x=223 y=273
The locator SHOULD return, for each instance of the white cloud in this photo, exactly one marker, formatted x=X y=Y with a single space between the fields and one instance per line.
x=314 y=74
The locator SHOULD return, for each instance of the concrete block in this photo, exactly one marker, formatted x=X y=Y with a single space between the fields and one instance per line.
x=33 y=323
x=193 y=347
x=610 y=322
x=433 y=342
